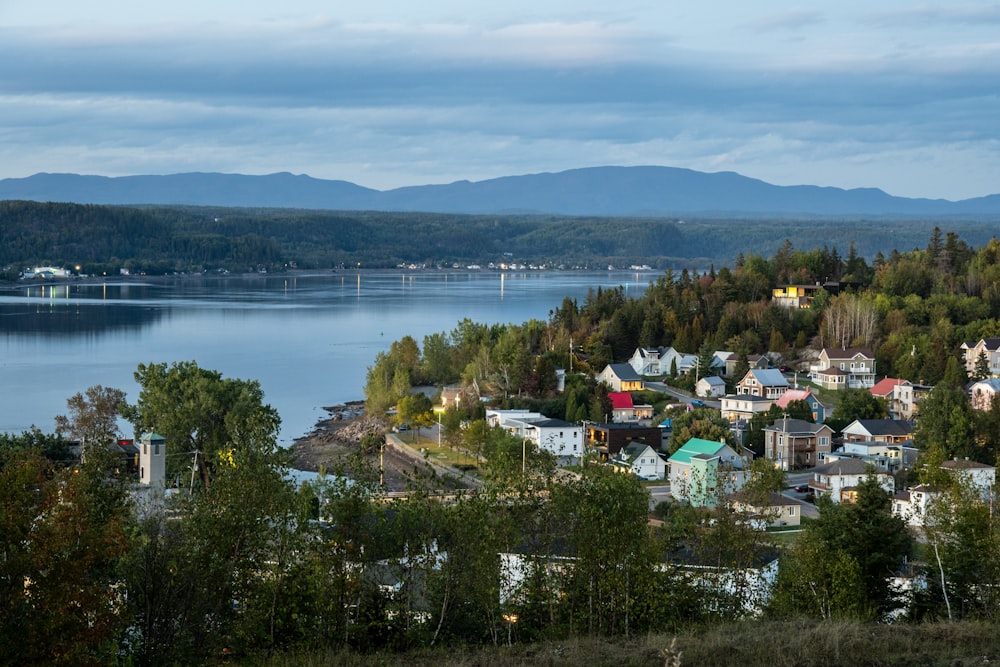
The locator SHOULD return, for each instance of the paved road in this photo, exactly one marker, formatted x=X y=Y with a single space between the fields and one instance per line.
x=680 y=394
x=794 y=479
x=658 y=494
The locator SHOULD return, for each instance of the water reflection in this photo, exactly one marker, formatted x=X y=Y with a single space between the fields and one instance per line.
x=307 y=338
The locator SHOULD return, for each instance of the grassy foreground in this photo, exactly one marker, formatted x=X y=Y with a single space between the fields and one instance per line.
x=798 y=643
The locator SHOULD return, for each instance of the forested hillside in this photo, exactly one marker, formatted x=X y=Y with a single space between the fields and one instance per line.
x=186 y=239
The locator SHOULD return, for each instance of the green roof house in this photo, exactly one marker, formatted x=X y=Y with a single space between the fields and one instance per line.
x=702 y=471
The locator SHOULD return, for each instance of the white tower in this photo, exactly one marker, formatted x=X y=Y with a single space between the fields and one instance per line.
x=152 y=461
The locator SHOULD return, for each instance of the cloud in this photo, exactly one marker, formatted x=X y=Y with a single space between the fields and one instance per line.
x=933 y=16
x=792 y=19
x=400 y=103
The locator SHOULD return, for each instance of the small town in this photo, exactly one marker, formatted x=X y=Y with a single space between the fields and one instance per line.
x=506 y=485
x=518 y=334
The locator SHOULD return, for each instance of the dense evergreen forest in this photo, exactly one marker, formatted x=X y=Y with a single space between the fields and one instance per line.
x=157 y=240
x=245 y=563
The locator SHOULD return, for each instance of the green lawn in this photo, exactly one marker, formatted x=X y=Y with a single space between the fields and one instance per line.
x=442 y=454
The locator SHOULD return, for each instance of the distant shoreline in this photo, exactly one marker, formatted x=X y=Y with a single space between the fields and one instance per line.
x=301 y=273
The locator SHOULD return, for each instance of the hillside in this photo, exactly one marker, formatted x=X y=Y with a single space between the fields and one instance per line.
x=597 y=191
x=166 y=239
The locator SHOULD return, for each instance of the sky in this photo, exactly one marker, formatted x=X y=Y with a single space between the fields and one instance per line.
x=901 y=96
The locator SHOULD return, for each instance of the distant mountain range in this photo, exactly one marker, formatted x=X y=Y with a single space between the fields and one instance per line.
x=598 y=191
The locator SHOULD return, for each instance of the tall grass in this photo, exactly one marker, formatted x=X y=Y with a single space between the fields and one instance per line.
x=794 y=643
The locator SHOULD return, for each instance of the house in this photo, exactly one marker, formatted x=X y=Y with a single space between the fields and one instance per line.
x=767 y=383
x=981 y=393
x=911 y=505
x=661 y=360
x=742 y=407
x=624 y=411
x=750 y=587
x=641 y=460
x=856 y=366
x=833 y=379
x=456 y=396
x=772 y=511
x=758 y=361
x=880 y=455
x=796 y=443
x=656 y=361
x=839 y=479
x=499 y=417
x=879 y=430
x=609 y=439
x=560 y=438
x=984 y=347
x=794 y=296
x=621 y=377
x=818 y=409
x=899 y=395
x=979 y=475
x=702 y=471
x=710 y=386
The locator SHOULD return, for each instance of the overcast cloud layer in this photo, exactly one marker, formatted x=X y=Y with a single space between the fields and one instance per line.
x=388 y=93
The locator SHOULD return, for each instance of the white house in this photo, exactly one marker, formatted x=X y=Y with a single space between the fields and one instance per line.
x=984 y=347
x=742 y=407
x=979 y=475
x=838 y=479
x=900 y=395
x=856 y=367
x=981 y=393
x=625 y=411
x=621 y=377
x=710 y=386
x=641 y=460
x=651 y=361
x=911 y=505
x=560 y=438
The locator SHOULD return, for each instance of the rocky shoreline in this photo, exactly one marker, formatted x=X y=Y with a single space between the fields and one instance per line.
x=335 y=443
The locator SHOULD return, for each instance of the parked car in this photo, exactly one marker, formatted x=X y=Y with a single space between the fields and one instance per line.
x=698 y=404
x=802 y=488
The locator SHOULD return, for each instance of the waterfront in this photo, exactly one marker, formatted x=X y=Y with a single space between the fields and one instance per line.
x=307 y=338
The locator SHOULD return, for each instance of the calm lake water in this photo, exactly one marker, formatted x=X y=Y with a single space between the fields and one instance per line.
x=308 y=339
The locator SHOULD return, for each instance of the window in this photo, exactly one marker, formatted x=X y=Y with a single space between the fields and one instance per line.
x=791 y=511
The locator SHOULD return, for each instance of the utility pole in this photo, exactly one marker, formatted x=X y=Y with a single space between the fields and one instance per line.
x=194 y=464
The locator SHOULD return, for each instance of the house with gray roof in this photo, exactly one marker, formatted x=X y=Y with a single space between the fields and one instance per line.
x=767 y=383
x=839 y=479
x=641 y=460
x=878 y=430
x=621 y=377
x=796 y=443
x=856 y=364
